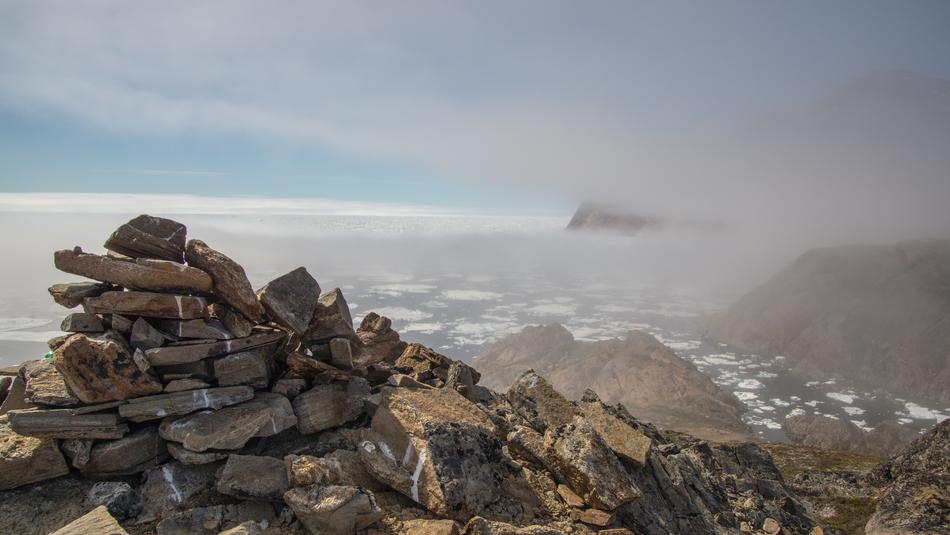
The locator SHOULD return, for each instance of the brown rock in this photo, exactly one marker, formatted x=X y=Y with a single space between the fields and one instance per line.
x=182 y=354
x=144 y=336
x=333 y=510
x=535 y=400
x=45 y=385
x=134 y=453
x=25 y=460
x=251 y=368
x=230 y=281
x=771 y=526
x=628 y=443
x=186 y=456
x=429 y=527
x=314 y=370
x=290 y=299
x=595 y=517
x=569 y=497
x=16 y=397
x=72 y=294
x=327 y=406
x=149 y=237
x=211 y=520
x=423 y=360
x=173 y=486
x=180 y=403
x=102 y=369
x=141 y=274
x=341 y=354
x=152 y=305
x=306 y=470
x=230 y=428
x=378 y=341
x=77 y=451
x=249 y=477
x=245 y=528
x=63 y=424
x=289 y=387
x=96 y=522
x=331 y=318
x=181 y=385
x=201 y=329
x=233 y=321
x=82 y=322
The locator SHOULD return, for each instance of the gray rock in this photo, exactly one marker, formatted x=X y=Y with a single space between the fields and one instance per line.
x=249 y=477
x=200 y=329
x=230 y=281
x=149 y=304
x=149 y=237
x=134 y=453
x=144 y=336
x=327 y=406
x=252 y=368
x=180 y=403
x=71 y=294
x=118 y=497
x=333 y=510
x=290 y=299
x=331 y=318
x=82 y=322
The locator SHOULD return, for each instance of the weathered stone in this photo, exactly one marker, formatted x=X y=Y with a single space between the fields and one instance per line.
x=201 y=329
x=378 y=341
x=182 y=354
x=134 y=453
x=201 y=369
x=526 y=444
x=628 y=443
x=251 y=368
x=423 y=360
x=443 y=445
x=290 y=299
x=771 y=526
x=119 y=498
x=230 y=428
x=583 y=461
x=102 y=369
x=289 y=387
x=181 y=385
x=405 y=381
x=186 y=456
x=63 y=424
x=141 y=274
x=482 y=526
x=120 y=324
x=230 y=281
x=249 y=477
x=56 y=341
x=144 y=336
x=535 y=400
x=331 y=405
x=149 y=304
x=246 y=528
x=45 y=385
x=306 y=470
x=462 y=377
x=82 y=322
x=25 y=460
x=341 y=355
x=180 y=403
x=16 y=397
x=72 y=294
x=333 y=510
x=77 y=451
x=429 y=527
x=569 y=496
x=96 y=522
x=595 y=517
x=331 y=318
x=173 y=486
x=233 y=321
x=149 y=237
x=314 y=370
x=211 y=520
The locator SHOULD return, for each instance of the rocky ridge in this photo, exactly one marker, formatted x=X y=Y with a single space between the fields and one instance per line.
x=838 y=434
x=182 y=401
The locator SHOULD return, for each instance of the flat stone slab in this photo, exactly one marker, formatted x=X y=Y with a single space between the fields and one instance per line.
x=131 y=454
x=82 y=322
x=95 y=522
x=290 y=299
x=102 y=369
x=233 y=321
x=183 y=354
x=331 y=318
x=202 y=329
x=45 y=385
x=229 y=279
x=333 y=510
x=71 y=294
x=140 y=274
x=327 y=406
x=250 y=477
x=232 y=427
x=251 y=368
x=150 y=237
x=181 y=403
x=25 y=460
x=149 y=304
x=143 y=336
x=64 y=424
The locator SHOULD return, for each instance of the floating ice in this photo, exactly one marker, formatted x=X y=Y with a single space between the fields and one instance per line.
x=853 y=411
x=750 y=384
x=403 y=313
x=470 y=295
x=838 y=396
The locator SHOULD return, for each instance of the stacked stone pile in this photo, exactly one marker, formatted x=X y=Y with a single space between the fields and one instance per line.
x=181 y=401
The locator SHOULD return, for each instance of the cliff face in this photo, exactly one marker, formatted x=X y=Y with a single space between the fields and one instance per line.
x=638 y=371
x=877 y=314
x=842 y=435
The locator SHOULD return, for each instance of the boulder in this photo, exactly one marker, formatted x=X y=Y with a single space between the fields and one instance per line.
x=82 y=322
x=252 y=368
x=331 y=318
x=230 y=428
x=583 y=461
x=64 y=424
x=25 y=460
x=96 y=522
x=200 y=328
x=102 y=369
x=149 y=304
x=180 y=403
x=141 y=274
x=249 y=477
x=306 y=470
x=230 y=281
x=144 y=337
x=149 y=237
x=442 y=451
x=183 y=354
x=290 y=299
x=327 y=406
x=45 y=385
x=72 y=294
x=378 y=341
x=535 y=400
x=233 y=321
x=333 y=510
x=121 y=500
x=134 y=453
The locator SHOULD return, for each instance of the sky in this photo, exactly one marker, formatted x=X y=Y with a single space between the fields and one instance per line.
x=526 y=107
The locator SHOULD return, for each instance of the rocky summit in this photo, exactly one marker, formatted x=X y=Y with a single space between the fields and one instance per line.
x=183 y=401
